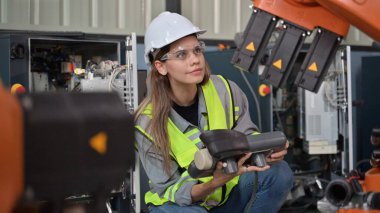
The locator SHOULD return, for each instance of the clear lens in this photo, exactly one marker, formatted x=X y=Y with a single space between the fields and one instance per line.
x=183 y=54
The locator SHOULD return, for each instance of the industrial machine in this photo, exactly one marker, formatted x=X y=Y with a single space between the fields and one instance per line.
x=59 y=145
x=70 y=62
x=275 y=37
x=330 y=20
x=333 y=125
x=69 y=138
x=358 y=192
x=291 y=21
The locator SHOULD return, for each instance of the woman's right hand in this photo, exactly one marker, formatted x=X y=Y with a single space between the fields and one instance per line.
x=220 y=178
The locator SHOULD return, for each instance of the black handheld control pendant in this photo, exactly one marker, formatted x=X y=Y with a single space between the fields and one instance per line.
x=229 y=145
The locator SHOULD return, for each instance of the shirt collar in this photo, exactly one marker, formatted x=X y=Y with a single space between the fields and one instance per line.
x=182 y=124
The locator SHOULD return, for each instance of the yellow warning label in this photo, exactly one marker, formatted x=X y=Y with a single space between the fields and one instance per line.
x=313 y=67
x=250 y=47
x=99 y=142
x=278 y=64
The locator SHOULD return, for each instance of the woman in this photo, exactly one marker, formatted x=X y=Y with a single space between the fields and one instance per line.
x=184 y=100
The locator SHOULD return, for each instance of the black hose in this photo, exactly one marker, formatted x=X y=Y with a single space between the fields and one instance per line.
x=339 y=192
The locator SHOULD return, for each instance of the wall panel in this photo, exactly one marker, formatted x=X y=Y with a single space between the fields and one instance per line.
x=89 y=16
x=222 y=18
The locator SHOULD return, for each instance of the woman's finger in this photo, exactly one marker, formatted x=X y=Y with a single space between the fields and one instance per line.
x=244 y=158
x=255 y=168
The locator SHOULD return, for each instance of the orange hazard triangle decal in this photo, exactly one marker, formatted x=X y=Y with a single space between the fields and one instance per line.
x=313 y=67
x=250 y=47
x=98 y=142
x=278 y=64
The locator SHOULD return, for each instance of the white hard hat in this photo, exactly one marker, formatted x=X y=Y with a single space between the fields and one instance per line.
x=165 y=29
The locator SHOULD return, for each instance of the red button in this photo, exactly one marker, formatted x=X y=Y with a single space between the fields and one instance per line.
x=17 y=89
x=264 y=90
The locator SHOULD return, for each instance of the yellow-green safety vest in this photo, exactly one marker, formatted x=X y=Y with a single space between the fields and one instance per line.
x=183 y=149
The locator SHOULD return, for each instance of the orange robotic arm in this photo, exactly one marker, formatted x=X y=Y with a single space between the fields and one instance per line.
x=333 y=15
x=331 y=18
x=363 y=14
x=305 y=13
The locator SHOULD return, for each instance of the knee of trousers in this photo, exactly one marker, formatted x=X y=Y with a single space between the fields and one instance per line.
x=282 y=175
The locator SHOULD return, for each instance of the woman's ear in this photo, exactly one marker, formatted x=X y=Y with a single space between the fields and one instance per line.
x=160 y=66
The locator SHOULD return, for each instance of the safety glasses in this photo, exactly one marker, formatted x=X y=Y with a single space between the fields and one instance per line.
x=183 y=54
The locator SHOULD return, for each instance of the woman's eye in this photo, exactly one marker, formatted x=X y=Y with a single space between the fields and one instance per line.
x=198 y=50
x=180 y=54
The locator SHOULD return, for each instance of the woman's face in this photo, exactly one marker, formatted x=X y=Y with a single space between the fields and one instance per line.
x=184 y=63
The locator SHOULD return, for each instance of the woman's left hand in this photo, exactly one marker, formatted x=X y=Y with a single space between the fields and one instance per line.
x=277 y=156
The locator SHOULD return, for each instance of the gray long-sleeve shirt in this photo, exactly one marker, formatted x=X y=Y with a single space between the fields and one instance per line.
x=153 y=162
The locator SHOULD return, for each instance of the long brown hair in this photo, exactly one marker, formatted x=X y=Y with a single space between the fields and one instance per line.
x=161 y=97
